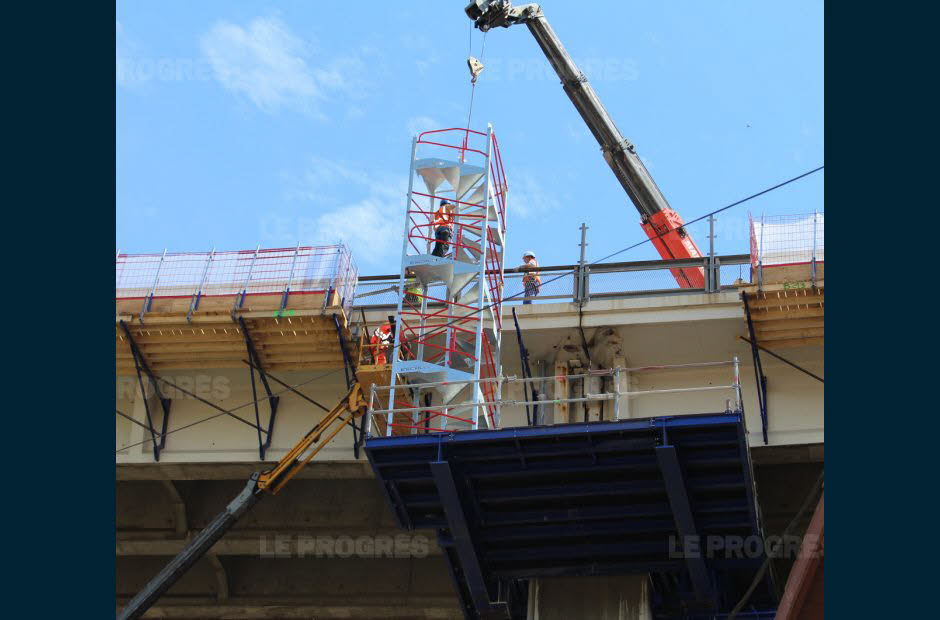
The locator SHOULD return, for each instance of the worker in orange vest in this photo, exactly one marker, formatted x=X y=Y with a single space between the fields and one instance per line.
x=532 y=281
x=443 y=231
x=382 y=341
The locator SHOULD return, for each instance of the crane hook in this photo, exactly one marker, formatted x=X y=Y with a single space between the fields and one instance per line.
x=476 y=68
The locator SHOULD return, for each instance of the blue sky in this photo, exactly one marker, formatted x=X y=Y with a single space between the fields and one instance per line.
x=241 y=123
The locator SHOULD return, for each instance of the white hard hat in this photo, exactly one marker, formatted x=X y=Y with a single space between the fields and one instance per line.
x=528 y=253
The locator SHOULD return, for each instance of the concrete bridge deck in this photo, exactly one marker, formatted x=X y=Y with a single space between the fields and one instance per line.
x=327 y=546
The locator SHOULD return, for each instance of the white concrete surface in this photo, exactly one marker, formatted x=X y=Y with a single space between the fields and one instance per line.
x=667 y=329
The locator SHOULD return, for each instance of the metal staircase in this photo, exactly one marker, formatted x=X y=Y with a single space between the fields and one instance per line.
x=451 y=334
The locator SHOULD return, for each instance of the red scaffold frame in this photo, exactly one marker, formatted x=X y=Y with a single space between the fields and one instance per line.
x=449 y=330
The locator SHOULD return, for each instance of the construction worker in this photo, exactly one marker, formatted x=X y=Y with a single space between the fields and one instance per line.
x=443 y=231
x=412 y=289
x=532 y=281
x=382 y=341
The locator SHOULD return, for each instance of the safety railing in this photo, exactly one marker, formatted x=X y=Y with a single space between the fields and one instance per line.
x=471 y=141
x=421 y=231
x=436 y=418
x=286 y=271
x=783 y=240
x=561 y=282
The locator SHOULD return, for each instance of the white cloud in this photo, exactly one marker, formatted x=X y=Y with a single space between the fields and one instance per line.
x=363 y=208
x=528 y=198
x=371 y=227
x=271 y=66
x=418 y=124
x=323 y=178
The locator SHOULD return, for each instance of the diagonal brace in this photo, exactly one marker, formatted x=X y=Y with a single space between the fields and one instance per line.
x=359 y=434
x=463 y=542
x=140 y=365
x=678 y=495
x=255 y=363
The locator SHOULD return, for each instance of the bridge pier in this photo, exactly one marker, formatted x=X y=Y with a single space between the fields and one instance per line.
x=618 y=597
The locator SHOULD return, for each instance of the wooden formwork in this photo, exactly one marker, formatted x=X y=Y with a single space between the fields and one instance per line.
x=787 y=315
x=301 y=336
x=800 y=273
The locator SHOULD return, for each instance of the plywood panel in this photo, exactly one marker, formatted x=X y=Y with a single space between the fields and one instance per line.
x=301 y=337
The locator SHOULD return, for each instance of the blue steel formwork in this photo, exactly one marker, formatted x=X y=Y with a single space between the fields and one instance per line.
x=594 y=498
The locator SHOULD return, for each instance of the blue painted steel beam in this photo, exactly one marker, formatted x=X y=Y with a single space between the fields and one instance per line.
x=531 y=501
x=573 y=489
x=456 y=575
x=561 y=448
x=399 y=506
x=391 y=496
x=418 y=469
x=682 y=513
x=560 y=431
x=613 y=512
x=463 y=543
x=593 y=553
x=545 y=534
x=587 y=513
x=586 y=570
x=537 y=534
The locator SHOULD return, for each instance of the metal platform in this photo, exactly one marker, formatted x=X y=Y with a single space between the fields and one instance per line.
x=582 y=499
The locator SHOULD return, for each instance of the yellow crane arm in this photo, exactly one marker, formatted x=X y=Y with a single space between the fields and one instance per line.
x=270 y=482
x=304 y=450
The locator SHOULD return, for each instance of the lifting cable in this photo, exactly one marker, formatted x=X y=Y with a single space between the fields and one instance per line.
x=476 y=67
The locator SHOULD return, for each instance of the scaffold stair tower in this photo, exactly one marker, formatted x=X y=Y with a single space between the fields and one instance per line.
x=448 y=322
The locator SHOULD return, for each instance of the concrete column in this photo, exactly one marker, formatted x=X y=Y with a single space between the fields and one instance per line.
x=620 y=597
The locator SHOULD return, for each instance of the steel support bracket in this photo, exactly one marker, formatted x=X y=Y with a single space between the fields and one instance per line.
x=758 y=369
x=255 y=362
x=532 y=417
x=141 y=365
x=349 y=370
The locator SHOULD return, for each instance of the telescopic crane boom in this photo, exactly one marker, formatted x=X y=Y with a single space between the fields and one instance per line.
x=663 y=225
x=269 y=482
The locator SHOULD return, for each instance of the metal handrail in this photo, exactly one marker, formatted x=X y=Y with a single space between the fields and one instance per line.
x=613 y=395
x=592 y=271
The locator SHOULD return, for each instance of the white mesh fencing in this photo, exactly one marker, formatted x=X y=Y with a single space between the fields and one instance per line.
x=183 y=274
x=787 y=239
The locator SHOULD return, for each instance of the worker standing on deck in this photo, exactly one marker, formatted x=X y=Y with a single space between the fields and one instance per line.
x=443 y=231
x=532 y=281
x=412 y=289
